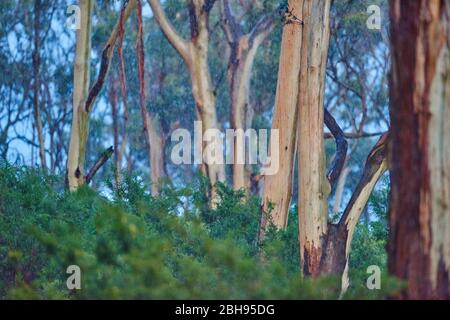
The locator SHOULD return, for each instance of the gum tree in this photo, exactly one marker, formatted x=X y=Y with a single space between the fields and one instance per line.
x=300 y=118
x=194 y=52
x=419 y=215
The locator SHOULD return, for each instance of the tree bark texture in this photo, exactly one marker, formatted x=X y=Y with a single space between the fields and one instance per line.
x=419 y=215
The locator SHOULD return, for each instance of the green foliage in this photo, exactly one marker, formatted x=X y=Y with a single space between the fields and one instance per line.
x=131 y=245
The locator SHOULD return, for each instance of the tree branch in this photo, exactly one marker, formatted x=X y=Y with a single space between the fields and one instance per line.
x=262 y=29
x=356 y=135
x=376 y=165
x=180 y=44
x=230 y=25
x=99 y=163
x=341 y=148
x=107 y=54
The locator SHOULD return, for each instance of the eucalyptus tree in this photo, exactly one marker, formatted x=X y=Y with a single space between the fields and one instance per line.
x=419 y=213
x=194 y=52
x=300 y=116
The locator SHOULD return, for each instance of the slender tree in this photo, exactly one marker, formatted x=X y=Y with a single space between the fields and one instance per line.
x=78 y=135
x=155 y=146
x=243 y=48
x=83 y=98
x=37 y=82
x=195 y=54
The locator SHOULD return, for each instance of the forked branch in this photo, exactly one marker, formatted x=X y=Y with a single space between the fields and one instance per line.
x=180 y=44
x=107 y=55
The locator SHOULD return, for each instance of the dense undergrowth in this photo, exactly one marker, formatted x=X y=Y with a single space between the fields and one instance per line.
x=131 y=245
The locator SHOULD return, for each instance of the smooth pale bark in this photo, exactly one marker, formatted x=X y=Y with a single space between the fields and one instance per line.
x=243 y=49
x=83 y=98
x=278 y=187
x=340 y=190
x=79 y=130
x=374 y=168
x=195 y=54
x=314 y=187
x=325 y=247
x=419 y=215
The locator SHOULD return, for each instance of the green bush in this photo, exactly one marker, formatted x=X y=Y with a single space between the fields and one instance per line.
x=131 y=245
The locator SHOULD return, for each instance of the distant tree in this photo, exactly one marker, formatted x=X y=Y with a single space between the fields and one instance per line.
x=243 y=48
x=195 y=54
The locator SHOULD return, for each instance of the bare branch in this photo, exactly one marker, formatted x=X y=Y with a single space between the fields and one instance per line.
x=356 y=135
x=99 y=163
x=107 y=55
x=341 y=148
x=122 y=77
x=230 y=25
x=262 y=29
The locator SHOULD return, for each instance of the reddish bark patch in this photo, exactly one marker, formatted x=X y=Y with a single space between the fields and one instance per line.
x=416 y=45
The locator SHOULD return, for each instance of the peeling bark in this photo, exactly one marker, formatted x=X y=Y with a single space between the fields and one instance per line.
x=324 y=247
x=419 y=215
x=278 y=187
x=314 y=187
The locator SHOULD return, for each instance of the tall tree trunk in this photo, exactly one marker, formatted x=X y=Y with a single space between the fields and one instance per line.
x=195 y=54
x=37 y=84
x=314 y=187
x=324 y=247
x=419 y=215
x=278 y=187
x=119 y=148
x=79 y=130
x=83 y=98
x=142 y=85
x=154 y=138
x=243 y=49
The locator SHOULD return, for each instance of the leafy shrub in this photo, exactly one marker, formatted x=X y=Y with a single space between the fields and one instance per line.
x=131 y=245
